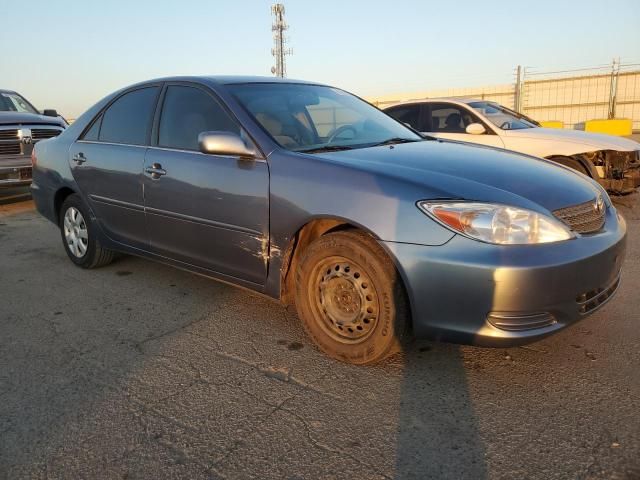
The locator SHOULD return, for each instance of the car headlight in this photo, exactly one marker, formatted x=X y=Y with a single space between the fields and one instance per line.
x=499 y=224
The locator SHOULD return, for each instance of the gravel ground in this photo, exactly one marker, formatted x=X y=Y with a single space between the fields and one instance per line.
x=138 y=370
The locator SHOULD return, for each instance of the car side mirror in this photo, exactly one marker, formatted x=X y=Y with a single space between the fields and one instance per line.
x=50 y=113
x=475 y=129
x=224 y=143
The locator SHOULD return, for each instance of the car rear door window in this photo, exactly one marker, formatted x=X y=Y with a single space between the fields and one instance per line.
x=186 y=113
x=128 y=119
x=449 y=118
x=407 y=114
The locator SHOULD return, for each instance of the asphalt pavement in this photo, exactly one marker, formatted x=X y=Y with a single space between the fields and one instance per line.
x=139 y=370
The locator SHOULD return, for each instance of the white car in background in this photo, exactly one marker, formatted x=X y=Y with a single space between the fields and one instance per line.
x=613 y=161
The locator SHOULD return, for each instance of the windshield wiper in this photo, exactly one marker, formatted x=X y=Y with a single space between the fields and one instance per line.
x=395 y=141
x=326 y=148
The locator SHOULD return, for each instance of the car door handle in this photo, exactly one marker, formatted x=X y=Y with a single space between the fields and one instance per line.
x=79 y=158
x=155 y=170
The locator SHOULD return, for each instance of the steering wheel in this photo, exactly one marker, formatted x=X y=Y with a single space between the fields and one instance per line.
x=506 y=126
x=340 y=130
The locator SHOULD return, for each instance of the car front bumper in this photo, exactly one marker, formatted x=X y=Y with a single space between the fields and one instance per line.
x=15 y=171
x=475 y=293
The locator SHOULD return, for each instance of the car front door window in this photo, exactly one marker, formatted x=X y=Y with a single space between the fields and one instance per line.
x=187 y=112
x=449 y=119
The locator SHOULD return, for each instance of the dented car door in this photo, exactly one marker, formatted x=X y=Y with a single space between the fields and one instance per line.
x=209 y=211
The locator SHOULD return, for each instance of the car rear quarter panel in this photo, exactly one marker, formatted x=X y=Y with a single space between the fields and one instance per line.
x=52 y=171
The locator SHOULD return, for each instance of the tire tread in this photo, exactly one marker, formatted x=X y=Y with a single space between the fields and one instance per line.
x=367 y=246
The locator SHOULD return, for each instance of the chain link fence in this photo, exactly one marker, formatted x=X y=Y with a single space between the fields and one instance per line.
x=574 y=96
x=569 y=96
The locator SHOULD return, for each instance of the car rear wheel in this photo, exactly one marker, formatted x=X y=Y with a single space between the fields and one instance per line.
x=350 y=298
x=571 y=163
x=78 y=235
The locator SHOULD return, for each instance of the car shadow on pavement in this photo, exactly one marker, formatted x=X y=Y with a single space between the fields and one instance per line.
x=437 y=433
x=138 y=370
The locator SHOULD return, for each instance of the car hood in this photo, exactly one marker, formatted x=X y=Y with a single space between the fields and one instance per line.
x=455 y=170
x=13 y=118
x=591 y=141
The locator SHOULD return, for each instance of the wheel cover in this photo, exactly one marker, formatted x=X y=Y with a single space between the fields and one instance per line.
x=75 y=232
x=346 y=300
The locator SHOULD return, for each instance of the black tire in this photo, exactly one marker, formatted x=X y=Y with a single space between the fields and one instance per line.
x=571 y=163
x=350 y=298
x=95 y=255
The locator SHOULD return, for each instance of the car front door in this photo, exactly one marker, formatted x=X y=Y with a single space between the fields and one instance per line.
x=449 y=120
x=107 y=164
x=208 y=211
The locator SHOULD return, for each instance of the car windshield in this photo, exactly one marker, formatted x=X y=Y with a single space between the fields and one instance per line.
x=12 y=102
x=312 y=118
x=502 y=117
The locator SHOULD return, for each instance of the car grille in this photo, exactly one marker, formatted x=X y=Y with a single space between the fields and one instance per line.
x=10 y=148
x=582 y=218
x=8 y=134
x=43 y=133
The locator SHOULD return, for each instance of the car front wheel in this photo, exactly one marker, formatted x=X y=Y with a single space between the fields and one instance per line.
x=350 y=298
x=78 y=235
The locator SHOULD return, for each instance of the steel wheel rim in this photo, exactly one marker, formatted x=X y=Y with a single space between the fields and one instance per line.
x=346 y=300
x=76 y=234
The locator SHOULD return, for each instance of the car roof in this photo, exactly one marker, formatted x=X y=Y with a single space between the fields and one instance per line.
x=463 y=100
x=228 y=79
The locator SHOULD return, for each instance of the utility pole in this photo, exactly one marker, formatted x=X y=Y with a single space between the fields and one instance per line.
x=279 y=51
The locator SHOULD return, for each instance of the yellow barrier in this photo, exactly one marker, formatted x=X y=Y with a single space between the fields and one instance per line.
x=618 y=126
x=552 y=124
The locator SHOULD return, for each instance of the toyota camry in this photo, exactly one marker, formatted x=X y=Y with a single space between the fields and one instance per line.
x=308 y=194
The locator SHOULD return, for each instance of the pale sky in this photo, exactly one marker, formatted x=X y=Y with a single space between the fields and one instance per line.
x=67 y=54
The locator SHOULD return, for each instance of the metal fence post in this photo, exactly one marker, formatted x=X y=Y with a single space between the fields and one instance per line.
x=613 y=89
x=518 y=90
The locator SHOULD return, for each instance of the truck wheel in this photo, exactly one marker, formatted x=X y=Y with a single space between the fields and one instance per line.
x=571 y=163
x=350 y=298
x=78 y=235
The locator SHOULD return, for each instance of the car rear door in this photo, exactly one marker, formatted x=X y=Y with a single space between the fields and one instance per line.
x=209 y=211
x=107 y=164
x=449 y=120
x=409 y=114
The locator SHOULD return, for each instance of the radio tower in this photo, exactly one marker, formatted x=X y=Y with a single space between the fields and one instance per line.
x=279 y=40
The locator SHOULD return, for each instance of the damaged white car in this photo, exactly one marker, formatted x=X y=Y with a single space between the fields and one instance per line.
x=613 y=161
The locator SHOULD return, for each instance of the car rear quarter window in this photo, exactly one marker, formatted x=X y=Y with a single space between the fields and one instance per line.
x=128 y=119
x=93 y=133
x=186 y=113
